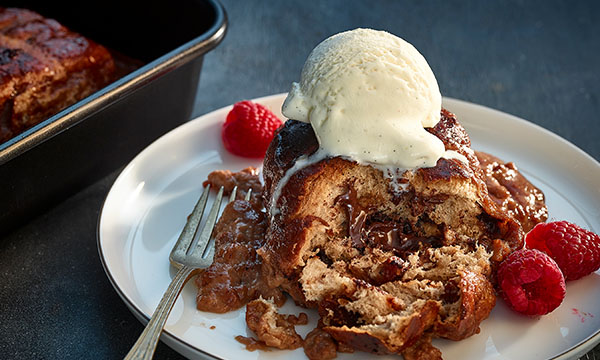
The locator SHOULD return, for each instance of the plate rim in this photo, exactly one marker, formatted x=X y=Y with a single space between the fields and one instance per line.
x=175 y=341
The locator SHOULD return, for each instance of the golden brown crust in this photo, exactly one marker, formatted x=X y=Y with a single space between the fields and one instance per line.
x=477 y=299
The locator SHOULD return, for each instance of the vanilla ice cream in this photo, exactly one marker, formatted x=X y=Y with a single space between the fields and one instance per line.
x=369 y=95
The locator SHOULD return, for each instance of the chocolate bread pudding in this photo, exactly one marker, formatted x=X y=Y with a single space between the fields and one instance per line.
x=375 y=211
x=44 y=67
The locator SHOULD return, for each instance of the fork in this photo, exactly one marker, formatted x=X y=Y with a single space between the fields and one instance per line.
x=190 y=254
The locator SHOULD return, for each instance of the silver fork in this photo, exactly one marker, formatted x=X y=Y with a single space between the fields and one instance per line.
x=189 y=254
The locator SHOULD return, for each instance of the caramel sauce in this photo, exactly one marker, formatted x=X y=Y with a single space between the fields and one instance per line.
x=252 y=344
x=510 y=190
x=234 y=278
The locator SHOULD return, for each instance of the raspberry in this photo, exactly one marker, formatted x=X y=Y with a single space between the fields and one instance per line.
x=575 y=250
x=531 y=282
x=249 y=129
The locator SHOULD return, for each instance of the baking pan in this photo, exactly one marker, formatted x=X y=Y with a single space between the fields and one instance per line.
x=99 y=134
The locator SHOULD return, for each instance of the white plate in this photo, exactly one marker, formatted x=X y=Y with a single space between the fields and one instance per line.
x=148 y=204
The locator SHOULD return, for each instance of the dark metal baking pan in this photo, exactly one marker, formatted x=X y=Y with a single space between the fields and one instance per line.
x=104 y=131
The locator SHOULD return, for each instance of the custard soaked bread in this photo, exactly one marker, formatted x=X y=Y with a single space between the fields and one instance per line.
x=390 y=259
x=44 y=67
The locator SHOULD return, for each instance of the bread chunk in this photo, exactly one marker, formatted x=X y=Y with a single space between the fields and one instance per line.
x=272 y=328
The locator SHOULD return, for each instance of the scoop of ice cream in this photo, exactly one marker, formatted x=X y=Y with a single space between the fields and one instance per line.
x=369 y=95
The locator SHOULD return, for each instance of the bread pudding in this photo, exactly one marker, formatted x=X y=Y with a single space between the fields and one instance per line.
x=375 y=211
x=44 y=67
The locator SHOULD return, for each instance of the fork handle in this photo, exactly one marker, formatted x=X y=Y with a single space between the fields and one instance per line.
x=145 y=346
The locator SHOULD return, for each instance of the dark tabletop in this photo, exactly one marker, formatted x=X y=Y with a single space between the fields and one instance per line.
x=534 y=59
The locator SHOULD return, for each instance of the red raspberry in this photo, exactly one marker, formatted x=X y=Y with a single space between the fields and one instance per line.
x=531 y=282
x=249 y=129
x=575 y=250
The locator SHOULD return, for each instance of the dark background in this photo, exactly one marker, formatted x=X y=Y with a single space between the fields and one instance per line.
x=534 y=59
